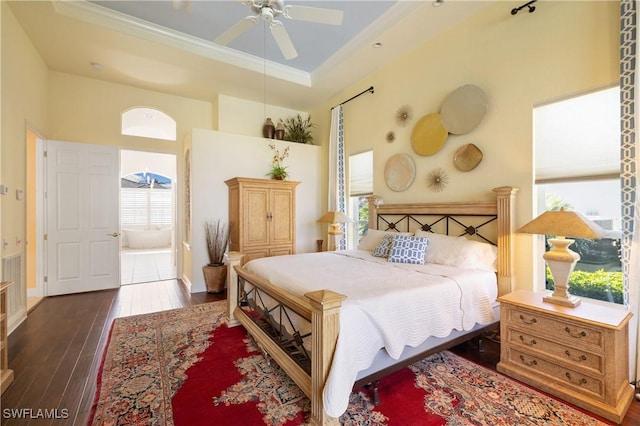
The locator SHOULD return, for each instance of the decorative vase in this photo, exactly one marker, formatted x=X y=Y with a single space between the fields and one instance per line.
x=215 y=277
x=268 y=130
x=280 y=131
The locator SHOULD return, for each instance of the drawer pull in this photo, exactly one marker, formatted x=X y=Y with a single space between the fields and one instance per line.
x=581 y=358
x=582 y=381
x=576 y=335
x=531 y=342
x=531 y=321
x=530 y=363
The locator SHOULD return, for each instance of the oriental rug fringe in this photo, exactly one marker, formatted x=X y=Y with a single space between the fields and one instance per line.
x=185 y=367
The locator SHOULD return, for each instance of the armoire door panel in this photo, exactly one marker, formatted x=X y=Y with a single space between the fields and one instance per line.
x=255 y=222
x=281 y=216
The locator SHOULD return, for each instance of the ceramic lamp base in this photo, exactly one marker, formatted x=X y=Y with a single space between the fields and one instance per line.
x=561 y=263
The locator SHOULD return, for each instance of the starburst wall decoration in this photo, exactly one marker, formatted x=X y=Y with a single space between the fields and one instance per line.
x=404 y=115
x=438 y=179
x=391 y=137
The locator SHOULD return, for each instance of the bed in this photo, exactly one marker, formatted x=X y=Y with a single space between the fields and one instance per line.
x=310 y=314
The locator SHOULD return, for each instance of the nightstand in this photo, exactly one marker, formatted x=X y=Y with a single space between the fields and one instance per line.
x=580 y=354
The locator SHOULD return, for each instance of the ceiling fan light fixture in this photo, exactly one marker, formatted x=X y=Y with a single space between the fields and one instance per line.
x=96 y=66
x=267 y=14
x=268 y=11
x=377 y=45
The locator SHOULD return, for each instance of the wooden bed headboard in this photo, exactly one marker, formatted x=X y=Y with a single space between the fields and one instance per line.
x=487 y=221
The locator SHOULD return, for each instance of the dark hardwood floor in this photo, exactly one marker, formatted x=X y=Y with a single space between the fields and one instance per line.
x=56 y=352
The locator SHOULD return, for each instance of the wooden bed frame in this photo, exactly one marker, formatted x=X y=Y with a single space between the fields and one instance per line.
x=322 y=308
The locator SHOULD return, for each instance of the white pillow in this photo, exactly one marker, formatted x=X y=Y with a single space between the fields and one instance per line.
x=460 y=251
x=373 y=237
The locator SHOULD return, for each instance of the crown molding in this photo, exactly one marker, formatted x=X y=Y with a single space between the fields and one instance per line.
x=98 y=15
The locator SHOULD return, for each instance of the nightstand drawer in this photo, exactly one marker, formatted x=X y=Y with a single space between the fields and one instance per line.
x=573 y=334
x=573 y=356
x=569 y=378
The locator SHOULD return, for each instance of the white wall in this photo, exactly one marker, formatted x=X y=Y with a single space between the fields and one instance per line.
x=218 y=156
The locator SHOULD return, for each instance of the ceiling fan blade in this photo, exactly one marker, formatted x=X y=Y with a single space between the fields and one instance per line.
x=284 y=41
x=314 y=14
x=233 y=32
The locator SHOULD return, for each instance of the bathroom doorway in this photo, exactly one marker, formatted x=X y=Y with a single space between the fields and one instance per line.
x=147 y=217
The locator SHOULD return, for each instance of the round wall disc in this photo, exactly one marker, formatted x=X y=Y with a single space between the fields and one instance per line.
x=463 y=109
x=429 y=135
x=467 y=157
x=399 y=172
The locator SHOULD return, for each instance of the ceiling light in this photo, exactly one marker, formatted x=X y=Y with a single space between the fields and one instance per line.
x=97 y=66
x=437 y=3
x=377 y=45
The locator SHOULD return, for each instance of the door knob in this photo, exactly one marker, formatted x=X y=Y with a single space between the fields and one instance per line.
x=114 y=234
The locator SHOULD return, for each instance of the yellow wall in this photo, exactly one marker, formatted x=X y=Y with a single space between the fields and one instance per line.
x=243 y=117
x=88 y=110
x=519 y=61
x=24 y=91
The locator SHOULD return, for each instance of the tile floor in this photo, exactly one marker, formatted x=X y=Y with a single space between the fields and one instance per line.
x=140 y=266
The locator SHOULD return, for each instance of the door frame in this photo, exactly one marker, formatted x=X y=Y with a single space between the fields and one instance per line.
x=177 y=221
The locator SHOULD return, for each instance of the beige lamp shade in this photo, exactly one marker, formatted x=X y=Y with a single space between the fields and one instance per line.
x=334 y=217
x=563 y=223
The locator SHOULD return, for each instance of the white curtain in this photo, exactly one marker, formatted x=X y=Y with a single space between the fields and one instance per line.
x=629 y=144
x=337 y=184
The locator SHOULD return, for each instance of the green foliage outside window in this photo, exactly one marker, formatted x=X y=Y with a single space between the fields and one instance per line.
x=363 y=217
x=600 y=285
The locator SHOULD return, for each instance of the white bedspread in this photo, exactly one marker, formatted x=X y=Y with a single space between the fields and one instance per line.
x=388 y=305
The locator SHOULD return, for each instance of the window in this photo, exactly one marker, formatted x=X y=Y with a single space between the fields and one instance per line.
x=146 y=201
x=577 y=166
x=360 y=186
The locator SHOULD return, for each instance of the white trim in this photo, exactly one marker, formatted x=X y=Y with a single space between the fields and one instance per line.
x=99 y=15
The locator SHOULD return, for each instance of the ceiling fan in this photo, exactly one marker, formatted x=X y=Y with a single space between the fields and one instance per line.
x=268 y=11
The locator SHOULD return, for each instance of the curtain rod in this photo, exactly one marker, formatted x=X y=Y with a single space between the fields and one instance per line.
x=370 y=89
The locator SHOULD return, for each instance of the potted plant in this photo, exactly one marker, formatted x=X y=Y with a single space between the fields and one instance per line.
x=278 y=169
x=298 y=129
x=216 y=233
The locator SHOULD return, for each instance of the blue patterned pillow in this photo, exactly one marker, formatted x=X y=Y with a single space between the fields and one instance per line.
x=383 y=249
x=407 y=249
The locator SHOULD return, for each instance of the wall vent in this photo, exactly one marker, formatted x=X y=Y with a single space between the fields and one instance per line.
x=16 y=297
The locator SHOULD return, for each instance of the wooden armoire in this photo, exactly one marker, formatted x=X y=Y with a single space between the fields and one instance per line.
x=262 y=217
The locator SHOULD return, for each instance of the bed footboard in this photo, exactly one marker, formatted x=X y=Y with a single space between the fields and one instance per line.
x=321 y=308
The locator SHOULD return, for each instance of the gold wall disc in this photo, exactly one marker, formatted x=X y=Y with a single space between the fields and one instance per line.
x=429 y=135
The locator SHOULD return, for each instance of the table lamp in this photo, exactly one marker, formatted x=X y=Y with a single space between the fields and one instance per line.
x=560 y=258
x=334 y=219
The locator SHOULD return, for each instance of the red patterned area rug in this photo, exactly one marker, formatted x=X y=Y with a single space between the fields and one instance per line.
x=185 y=367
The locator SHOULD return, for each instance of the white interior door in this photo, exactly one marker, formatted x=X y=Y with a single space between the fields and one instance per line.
x=82 y=199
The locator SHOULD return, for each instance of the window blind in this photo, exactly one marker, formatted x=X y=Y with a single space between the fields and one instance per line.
x=361 y=174
x=578 y=138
